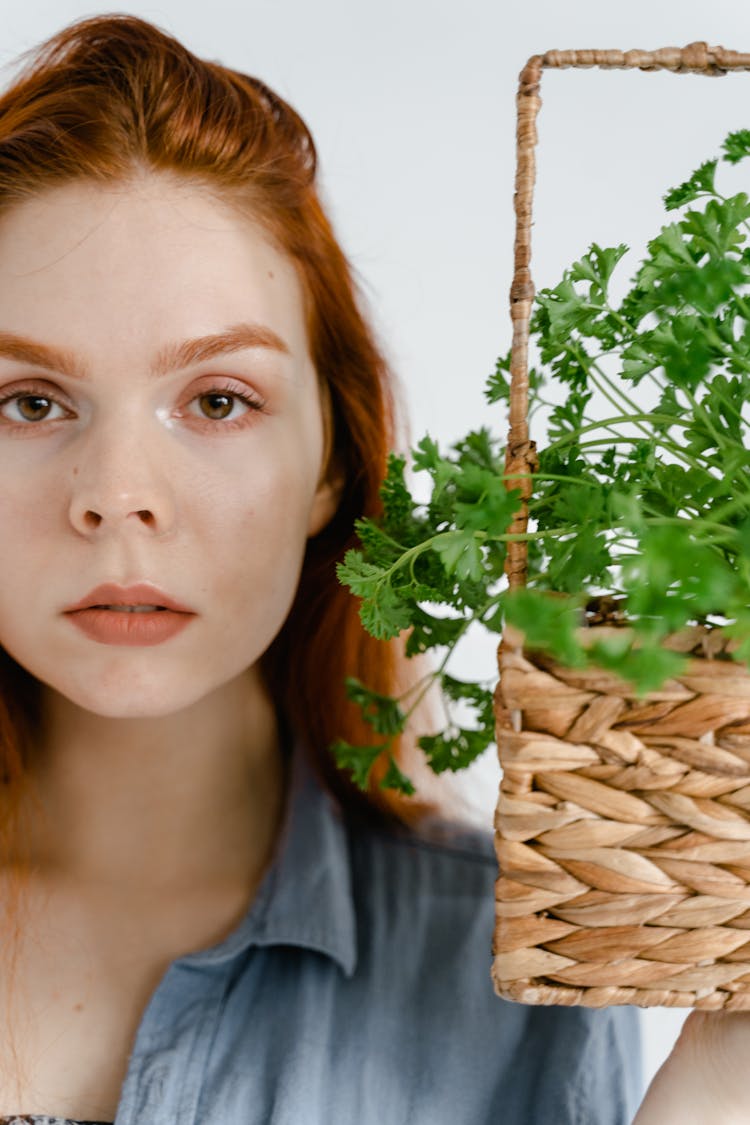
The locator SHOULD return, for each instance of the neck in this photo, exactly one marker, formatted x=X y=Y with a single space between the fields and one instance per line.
x=191 y=799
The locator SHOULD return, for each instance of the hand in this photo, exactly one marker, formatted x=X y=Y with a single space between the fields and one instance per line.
x=706 y=1078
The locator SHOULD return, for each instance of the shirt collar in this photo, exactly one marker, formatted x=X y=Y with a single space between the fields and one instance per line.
x=305 y=898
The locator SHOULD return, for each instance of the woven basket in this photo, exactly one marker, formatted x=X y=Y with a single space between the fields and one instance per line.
x=622 y=825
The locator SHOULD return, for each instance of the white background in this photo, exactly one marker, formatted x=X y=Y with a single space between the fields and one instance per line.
x=412 y=104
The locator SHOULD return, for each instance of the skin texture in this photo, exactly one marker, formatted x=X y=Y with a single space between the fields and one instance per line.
x=130 y=477
x=704 y=1079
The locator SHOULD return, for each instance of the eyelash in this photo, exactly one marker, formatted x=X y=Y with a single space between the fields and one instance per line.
x=232 y=390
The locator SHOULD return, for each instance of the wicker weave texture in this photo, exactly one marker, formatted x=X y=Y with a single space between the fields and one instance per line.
x=622 y=828
x=623 y=834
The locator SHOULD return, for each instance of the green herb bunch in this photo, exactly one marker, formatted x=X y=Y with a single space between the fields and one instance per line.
x=650 y=506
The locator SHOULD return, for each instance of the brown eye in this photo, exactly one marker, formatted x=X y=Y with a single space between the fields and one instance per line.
x=216 y=406
x=229 y=404
x=26 y=405
x=33 y=408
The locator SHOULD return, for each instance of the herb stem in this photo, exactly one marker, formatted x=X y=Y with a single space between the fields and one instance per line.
x=661 y=442
x=429 y=679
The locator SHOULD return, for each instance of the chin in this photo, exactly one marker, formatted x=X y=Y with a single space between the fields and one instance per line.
x=121 y=697
x=129 y=703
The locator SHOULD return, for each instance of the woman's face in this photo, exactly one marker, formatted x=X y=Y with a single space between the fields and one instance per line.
x=131 y=461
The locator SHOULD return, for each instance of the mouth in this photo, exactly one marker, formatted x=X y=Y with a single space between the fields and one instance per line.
x=133 y=608
x=142 y=625
x=142 y=597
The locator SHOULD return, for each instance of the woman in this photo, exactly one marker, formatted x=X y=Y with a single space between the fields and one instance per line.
x=205 y=920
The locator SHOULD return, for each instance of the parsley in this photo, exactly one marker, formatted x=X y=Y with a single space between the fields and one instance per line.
x=643 y=507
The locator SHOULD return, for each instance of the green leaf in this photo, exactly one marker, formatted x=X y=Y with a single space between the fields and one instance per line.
x=597 y=267
x=429 y=631
x=669 y=249
x=381 y=711
x=493 y=619
x=395 y=779
x=430 y=582
x=497 y=386
x=675 y=490
x=460 y=554
x=454 y=750
x=700 y=183
x=716 y=230
x=627 y=510
x=565 y=310
x=647 y=669
x=488 y=507
x=678 y=346
x=474 y=694
x=361 y=577
x=427 y=458
x=479 y=448
x=384 y=614
x=379 y=548
x=673 y=578
x=398 y=503
x=358 y=760
x=736 y=146
x=569 y=416
x=739 y=630
x=548 y=623
x=579 y=561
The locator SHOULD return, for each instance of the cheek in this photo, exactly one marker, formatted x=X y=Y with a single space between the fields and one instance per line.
x=32 y=516
x=251 y=528
x=269 y=486
x=34 y=562
x=264 y=494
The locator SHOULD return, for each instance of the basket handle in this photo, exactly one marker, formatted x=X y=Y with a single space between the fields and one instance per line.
x=520 y=456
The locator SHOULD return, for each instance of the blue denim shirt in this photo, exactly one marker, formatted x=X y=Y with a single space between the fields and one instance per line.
x=357 y=991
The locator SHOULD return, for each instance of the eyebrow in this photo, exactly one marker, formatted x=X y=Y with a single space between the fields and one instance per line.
x=172 y=357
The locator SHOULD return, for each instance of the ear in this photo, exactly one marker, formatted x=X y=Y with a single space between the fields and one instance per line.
x=331 y=482
x=325 y=504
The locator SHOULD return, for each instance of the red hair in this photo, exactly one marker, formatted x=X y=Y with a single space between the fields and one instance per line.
x=112 y=97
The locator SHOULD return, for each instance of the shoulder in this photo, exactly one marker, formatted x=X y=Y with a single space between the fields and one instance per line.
x=425 y=908
x=432 y=885
x=441 y=870
x=441 y=853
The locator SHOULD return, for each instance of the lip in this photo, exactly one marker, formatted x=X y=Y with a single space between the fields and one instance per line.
x=116 y=627
x=140 y=593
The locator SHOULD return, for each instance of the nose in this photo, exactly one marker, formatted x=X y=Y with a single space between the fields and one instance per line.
x=120 y=484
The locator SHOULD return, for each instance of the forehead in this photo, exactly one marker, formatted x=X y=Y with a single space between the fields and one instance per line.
x=157 y=258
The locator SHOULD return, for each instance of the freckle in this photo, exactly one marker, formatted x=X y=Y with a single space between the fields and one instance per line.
x=78 y=1007
x=270 y=273
x=75 y=471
